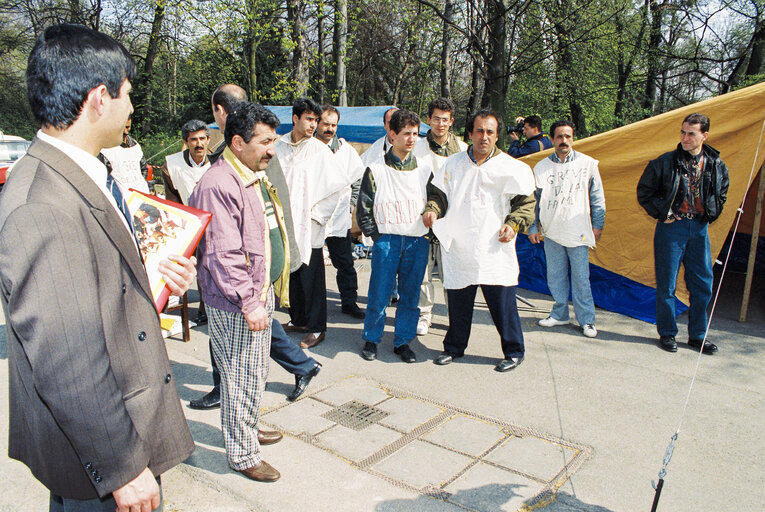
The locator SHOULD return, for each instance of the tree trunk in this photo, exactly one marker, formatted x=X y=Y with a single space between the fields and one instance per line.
x=496 y=79
x=446 y=49
x=758 y=50
x=654 y=41
x=296 y=17
x=321 y=72
x=340 y=43
x=148 y=64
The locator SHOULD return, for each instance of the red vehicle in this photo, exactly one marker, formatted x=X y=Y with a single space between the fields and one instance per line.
x=11 y=149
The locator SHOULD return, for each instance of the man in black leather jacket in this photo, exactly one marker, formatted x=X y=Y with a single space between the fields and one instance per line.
x=684 y=190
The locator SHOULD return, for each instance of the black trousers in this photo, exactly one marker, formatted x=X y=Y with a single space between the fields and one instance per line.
x=308 y=294
x=342 y=259
x=504 y=313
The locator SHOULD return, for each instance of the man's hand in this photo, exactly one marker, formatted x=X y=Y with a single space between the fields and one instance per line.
x=534 y=238
x=519 y=119
x=141 y=493
x=178 y=273
x=428 y=218
x=514 y=136
x=257 y=319
x=506 y=233
x=597 y=233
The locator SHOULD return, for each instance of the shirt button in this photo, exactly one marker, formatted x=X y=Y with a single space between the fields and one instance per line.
x=88 y=466
x=124 y=288
x=141 y=336
x=93 y=472
x=167 y=378
x=98 y=479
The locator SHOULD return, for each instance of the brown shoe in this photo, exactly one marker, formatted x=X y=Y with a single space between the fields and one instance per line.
x=269 y=436
x=263 y=472
x=288 y=327
x=311 y=340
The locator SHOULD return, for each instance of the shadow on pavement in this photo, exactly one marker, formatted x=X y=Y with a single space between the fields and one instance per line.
x=487 y=498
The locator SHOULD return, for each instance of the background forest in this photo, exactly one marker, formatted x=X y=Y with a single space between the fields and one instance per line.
x=601 y=63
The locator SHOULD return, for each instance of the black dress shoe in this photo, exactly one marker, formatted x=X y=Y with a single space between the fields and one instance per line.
x=369 y=352
x=445 y=358
x=511 y=363
x=302 y=381
x=668 y=343
x=709 y=348
x=405 y=353
x=210 y=401
x=352 y=309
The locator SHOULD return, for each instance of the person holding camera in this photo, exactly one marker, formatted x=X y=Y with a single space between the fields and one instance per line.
x=531 y=127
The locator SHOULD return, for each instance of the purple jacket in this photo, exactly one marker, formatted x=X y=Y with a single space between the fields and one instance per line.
x=232 y=260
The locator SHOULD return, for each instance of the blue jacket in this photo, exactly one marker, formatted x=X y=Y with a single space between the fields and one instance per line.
x=532 y=145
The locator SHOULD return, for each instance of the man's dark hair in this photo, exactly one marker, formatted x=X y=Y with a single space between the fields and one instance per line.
x=557 y=124
x=66 y=63
x=392 y=109
x=444 y=104
x=698 y=119
x=242 y=121
x=403 y=118
x=192 y=126
x=534 y=121
x=227 y=97
x=303 y=105
x=484 y=112
x=331 y=110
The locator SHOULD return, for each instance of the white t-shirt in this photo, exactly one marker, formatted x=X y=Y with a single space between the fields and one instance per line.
x=126 y=167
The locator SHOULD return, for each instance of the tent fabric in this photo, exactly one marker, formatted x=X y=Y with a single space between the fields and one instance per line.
x=625 y=249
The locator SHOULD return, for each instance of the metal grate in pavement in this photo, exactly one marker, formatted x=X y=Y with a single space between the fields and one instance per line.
x=355 y=415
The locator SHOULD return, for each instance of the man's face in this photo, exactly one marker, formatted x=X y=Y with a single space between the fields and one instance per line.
x=258 y=152
x=327 y=126
x=403 y=141
x=530 y=131
x=117 y=111
x=128 y=124
x=692 y=138
x=484 y=136
x=305 y=125
x=563 y=138
x=440 y=122
x=197 y=143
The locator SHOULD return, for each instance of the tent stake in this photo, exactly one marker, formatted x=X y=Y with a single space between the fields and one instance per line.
x=753 y=246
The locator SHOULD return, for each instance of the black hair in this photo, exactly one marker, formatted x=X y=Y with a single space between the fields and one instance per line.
x=192 y=126
x=403 y=118
x=243 y=119
x=392 y=109
x=303 y=105
x=558 y=124
x=484 y=112
x=698 y=119
x=227 y=96
x=534 y=121
x=66 y=63
x=444 y=104
x=330 y=109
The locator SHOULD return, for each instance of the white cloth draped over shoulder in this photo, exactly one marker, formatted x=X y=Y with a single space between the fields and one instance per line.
x=126 y=167
x=423 y=153
x=311 y=176
x=400 y=197
x=375 y=152
x=479 y=200
x=185 y=177
x=347 y=161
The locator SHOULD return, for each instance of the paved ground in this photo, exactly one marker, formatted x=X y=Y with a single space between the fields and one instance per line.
x=582 y=425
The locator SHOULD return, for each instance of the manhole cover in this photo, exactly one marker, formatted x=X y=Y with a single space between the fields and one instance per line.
x=355 y=415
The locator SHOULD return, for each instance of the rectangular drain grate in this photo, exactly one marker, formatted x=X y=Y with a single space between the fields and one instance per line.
x=355 y=415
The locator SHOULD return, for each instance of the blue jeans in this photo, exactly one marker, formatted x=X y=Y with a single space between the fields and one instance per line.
x=574 y=261
x=686 y=241
x=405 y=257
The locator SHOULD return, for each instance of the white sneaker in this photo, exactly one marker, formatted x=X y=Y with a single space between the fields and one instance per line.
x=551 y=322
x=590 y=331
x=422 y=327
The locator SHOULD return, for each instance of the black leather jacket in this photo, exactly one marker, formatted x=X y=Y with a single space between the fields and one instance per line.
x=658 y=186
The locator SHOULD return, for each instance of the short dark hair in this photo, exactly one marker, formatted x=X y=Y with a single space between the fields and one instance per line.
x=560 y=122
x=192 y=126
x=403 y=118
x=242 y=121
x=330 y=109
x=227 y=96
x=66 y=63
x=303 y=105
x=392 y=109
x=484 y=112
x=698 y=119
x=534 y=121
x=442 y=103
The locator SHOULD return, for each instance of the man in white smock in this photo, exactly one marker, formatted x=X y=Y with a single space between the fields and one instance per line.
x=184 y=169
x=471 y=197
x=381 y=146
x=125 y=163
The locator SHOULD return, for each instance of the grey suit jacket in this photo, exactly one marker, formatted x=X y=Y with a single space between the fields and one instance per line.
x=92 y=400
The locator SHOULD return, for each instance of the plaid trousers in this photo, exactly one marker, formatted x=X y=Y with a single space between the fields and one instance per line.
x=242 y=357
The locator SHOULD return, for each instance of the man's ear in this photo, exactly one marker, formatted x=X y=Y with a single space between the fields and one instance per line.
x=237 y=143
x=96 y=99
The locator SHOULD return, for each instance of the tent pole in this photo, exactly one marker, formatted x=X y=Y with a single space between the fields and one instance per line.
x=753 y=246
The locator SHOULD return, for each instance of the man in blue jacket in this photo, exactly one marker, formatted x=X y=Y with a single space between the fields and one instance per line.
x=535 y=139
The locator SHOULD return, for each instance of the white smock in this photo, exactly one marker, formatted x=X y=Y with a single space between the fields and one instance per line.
x=376 y=151
x=400 y=198
x=126 y=167
x=423 y=153
x=479 y=200
x=347 y=161
x=185 y=177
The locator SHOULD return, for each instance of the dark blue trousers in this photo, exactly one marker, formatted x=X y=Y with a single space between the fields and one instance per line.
x=504 y=313
x=342 y=259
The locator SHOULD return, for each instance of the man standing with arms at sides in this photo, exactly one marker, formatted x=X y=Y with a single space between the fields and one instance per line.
x=283 y=351
x=381 y=146
x=125 y=163
x=535 y=139
x=684 y=190
x=570 y=212
x=184 y=169
x=243 y=262
x=309 y=169
x=392 y=197
x=93 y=409
x=439 y=144
x=473 y=192
x=347 y=162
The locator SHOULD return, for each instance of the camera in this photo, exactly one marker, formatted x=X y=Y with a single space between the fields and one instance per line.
x=518 y=128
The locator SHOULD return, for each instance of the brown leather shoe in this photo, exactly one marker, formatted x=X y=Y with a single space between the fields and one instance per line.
x=288 y=327
x=311 y=340
x=269 y=436
x=263 y=472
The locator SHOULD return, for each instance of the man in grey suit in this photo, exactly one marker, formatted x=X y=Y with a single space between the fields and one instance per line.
x=93 y=408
